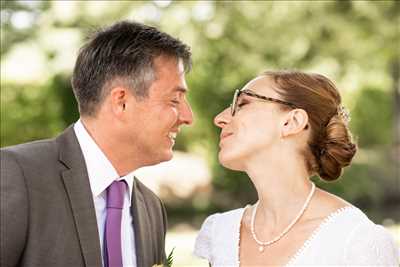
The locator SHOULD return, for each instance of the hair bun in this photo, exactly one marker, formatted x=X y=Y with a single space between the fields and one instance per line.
x=336 y=149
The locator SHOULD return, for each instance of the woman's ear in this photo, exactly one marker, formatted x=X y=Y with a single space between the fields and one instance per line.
x=294 y=122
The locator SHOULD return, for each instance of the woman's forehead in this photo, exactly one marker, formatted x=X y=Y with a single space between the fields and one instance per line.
x=262 y=85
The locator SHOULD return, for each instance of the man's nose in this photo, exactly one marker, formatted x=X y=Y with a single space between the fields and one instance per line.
x=186 y=114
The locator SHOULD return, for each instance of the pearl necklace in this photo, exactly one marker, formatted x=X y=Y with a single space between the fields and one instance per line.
x=287 y=229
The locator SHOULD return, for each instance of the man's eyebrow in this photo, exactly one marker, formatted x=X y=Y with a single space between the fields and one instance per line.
x=181 y=89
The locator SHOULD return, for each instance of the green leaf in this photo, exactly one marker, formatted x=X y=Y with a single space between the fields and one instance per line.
x=170 y=258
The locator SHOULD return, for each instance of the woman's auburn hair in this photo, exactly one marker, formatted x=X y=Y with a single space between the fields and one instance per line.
x=330 y=146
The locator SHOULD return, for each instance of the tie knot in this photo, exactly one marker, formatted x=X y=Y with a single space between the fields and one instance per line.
x=115 y=194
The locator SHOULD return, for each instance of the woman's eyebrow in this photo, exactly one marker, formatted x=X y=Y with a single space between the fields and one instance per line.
x=245 y=97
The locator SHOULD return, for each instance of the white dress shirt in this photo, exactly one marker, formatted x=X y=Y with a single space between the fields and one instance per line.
x=101 y=174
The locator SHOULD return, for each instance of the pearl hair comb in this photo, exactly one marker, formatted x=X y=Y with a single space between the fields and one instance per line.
x=344 y=113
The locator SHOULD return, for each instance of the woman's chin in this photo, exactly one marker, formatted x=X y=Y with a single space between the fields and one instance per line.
x=229 y=162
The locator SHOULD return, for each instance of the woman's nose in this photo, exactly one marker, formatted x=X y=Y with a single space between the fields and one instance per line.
x=222 y=118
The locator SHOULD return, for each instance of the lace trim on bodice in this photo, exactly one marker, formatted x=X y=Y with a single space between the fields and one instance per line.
x=328 y=219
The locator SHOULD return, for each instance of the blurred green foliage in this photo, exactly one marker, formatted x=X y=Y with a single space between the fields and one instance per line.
x=373 y=112
x=356 y=43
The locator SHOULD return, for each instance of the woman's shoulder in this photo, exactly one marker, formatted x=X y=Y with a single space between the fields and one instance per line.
x=228 y=217
x=337 y=225
x=348 y=237
x=334 y=213
x=215 y=228
x=374 y=242
x=350 y=220
x=365 y=242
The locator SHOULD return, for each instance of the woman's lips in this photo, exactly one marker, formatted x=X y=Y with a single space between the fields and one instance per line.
x=224 y=136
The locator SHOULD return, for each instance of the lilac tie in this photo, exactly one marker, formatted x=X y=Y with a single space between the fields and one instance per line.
x=112 y=243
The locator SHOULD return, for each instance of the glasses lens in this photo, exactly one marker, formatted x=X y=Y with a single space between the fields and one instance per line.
x=234 y=102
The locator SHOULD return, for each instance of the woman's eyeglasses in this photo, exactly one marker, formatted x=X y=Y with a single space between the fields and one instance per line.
x=250 y=93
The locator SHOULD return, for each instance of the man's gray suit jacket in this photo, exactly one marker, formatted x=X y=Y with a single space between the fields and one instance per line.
x=47 y=212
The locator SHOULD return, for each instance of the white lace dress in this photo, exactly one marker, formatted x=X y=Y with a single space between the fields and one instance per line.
x=345 y=238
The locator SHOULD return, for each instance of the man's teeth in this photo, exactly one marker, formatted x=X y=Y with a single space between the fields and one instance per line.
x=172 y=135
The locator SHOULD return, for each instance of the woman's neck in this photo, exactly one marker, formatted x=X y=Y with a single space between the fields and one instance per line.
x=282 y=186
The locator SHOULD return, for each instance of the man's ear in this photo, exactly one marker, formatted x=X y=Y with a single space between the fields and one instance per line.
x=294 y=122
x=118 y=99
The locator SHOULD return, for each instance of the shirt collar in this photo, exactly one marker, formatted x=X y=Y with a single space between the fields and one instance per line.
x=100 y=170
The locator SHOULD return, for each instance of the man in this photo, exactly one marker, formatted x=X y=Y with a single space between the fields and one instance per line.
x=73 y=200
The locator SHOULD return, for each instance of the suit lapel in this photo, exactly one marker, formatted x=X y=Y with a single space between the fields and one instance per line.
x=141 y=227
x=77 y=185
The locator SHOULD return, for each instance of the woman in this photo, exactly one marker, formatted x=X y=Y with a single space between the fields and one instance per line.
x=281 y=129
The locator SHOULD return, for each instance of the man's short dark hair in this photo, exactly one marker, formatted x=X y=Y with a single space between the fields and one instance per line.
x=123 y=52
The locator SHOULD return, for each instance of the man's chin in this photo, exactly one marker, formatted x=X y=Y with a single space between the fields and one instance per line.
x=157 y=159
x=166 y=156
x=169 y=156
